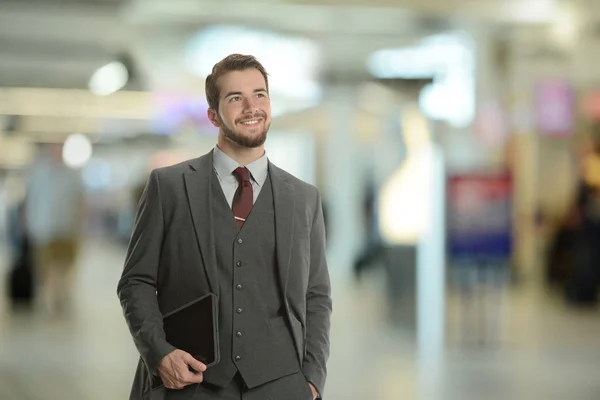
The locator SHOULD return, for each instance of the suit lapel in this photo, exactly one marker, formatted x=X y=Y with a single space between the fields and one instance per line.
x=198 y=183
x=284 y=203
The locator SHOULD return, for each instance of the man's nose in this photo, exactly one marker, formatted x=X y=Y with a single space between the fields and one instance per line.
x=249 y=105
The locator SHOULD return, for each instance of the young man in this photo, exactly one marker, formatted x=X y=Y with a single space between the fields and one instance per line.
x=233 y=224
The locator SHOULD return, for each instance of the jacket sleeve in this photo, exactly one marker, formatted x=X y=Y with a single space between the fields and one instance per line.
x=137 y=288
x=318 y=305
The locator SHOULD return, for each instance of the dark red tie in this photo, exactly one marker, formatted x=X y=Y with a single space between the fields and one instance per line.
x=243 y=199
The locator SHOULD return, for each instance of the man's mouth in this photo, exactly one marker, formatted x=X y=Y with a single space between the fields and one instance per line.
x=251 y=122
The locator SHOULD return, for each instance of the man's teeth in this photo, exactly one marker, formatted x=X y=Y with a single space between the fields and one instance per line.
x=254 y=121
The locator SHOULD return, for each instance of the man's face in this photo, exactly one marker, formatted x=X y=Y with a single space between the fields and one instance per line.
x=244 y=114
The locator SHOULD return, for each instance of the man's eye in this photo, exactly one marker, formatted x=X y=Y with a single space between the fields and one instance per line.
x=235 y=98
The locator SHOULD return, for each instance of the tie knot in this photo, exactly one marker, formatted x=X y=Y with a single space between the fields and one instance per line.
x=242 y=174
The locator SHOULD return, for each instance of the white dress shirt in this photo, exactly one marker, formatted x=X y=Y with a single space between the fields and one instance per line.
x=224 y=167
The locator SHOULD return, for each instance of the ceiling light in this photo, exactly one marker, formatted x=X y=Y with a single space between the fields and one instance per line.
x=77 y=150
x=109 y=79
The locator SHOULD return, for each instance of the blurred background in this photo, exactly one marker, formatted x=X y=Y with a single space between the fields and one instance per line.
x=456 y=145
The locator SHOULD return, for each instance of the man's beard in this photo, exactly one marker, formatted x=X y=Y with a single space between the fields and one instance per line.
x=250 y=142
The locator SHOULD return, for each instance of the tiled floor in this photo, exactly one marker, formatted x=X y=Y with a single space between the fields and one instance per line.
x=544 y=350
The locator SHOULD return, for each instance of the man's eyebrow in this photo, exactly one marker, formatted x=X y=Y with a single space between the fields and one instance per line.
x=240 y=93
x=233 y=94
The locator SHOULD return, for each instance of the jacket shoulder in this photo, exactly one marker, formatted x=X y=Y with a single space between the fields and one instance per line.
x=175 y=170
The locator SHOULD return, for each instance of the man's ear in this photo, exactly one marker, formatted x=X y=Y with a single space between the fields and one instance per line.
x=213 y=117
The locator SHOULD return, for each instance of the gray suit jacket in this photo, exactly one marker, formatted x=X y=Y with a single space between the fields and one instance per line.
x=171 y=261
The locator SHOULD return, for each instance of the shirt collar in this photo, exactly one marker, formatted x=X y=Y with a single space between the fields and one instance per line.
x=225 y=165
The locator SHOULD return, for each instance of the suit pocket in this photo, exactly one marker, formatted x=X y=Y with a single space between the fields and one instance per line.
x=298 y=333
x=307 y=389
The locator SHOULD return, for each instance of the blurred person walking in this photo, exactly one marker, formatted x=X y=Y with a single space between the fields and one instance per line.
x=373 y=247
x=21 y=280
x=233 y=224
x=583 y=222
x=53 y=213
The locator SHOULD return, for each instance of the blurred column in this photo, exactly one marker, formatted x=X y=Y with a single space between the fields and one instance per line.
x=524 y=72
x=431 y=294
x=342 y=175
x=510 y=79
x=486 y=82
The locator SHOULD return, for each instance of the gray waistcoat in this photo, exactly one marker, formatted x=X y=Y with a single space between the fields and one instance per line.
x=254 y=337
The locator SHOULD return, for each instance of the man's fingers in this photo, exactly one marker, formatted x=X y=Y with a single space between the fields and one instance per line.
x=194 y=377
x=195 y=364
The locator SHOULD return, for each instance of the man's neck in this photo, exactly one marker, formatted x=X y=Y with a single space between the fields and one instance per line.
x=242 y=155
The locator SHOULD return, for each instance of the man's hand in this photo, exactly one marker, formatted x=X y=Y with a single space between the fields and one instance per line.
x=313 y=390
x=174 y=370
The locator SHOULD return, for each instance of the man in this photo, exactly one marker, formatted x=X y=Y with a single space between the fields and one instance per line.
x=233 y=224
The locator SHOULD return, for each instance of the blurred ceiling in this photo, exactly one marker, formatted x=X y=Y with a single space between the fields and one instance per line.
x=59 y=43
x=56 y=43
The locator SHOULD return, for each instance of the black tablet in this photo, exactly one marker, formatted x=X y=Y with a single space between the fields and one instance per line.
x=193 y=328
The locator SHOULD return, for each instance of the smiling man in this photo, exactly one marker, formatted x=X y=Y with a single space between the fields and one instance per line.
x=233 y=224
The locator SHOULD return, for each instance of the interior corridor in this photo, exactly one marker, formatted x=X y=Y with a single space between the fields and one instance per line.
x=543 y=351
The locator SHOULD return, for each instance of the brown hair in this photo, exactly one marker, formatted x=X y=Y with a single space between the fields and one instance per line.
x=233 y=62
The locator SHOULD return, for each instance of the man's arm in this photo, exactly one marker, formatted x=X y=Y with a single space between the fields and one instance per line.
x=137 y=287
x=318 y=305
